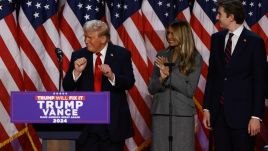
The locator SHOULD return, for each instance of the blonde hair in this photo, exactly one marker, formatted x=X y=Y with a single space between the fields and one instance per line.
x=98 y=26
x=185 y=51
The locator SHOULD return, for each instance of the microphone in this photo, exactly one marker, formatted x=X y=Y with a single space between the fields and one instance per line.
x=169 y=64
x=59 y=53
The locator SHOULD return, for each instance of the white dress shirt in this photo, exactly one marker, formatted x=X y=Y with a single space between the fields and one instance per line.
x=235 y=37
x=102 y=57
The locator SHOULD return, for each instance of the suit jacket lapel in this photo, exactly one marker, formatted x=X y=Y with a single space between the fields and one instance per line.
x=109 y=61
x=109 y=54
x=222 y=47
x=240 y=45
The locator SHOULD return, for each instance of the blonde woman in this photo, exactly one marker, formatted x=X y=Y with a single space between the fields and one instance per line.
x=184 y=79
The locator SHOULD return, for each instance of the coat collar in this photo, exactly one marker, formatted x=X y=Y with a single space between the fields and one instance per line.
x=109 y=54
x=240 y=45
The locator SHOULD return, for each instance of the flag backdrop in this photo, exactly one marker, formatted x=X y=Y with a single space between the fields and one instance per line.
x=32 y=29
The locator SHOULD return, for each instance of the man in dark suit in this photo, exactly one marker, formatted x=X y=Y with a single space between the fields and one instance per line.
x=234 y=95
x=102 y=66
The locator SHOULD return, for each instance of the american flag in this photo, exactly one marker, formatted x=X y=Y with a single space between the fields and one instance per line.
x=38 y=24
x=72 y=18
x=123 y=17
x=12 y=136
x=204 y=24
x=28 y=61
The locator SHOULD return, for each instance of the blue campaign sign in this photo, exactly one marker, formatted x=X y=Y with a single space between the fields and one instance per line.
x=60 y=107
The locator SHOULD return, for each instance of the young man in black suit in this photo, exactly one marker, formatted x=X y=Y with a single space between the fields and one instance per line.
x=102 y=66
x=235 y=90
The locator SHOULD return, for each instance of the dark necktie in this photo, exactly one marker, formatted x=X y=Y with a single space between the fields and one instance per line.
x=227 y=57
x=97 y=73
x=228 y=49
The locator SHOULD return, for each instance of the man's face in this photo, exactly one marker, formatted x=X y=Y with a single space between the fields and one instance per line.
x=93 y=41
x=172 y=41
x=223 y=19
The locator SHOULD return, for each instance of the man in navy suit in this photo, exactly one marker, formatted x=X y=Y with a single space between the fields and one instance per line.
x=102 y=66
x=234 y=94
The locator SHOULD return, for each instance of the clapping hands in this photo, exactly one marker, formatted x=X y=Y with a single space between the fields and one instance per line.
x=160 y=63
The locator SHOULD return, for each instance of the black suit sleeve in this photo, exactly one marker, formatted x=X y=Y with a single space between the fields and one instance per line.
x=259 y=66
x=125 y=80
x=211 y=71
x=68 y=82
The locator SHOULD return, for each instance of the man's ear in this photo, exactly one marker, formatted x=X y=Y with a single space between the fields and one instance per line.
x=231 y=16
x=103 y=39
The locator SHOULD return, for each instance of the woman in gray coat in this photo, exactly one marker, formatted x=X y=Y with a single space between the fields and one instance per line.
x=184 y=79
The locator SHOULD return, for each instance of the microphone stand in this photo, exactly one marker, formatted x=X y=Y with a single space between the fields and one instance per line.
x=59 y=54
x=47 y=131
x=170 y=136
x=60 y=72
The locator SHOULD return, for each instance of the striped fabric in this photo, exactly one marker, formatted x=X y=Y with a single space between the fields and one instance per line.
x=12 y=136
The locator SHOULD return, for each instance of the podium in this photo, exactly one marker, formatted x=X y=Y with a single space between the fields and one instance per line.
x=59 y=132
x=60 y=115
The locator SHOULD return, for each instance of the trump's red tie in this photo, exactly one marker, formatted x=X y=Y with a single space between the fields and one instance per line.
x=97 y=73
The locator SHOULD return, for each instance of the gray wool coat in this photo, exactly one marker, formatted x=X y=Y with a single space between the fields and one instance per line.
x=182 y=91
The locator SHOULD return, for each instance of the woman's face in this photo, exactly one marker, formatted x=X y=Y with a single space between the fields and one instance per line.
x=173 y=42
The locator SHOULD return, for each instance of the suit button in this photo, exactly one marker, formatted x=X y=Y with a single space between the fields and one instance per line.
x=225 y=79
